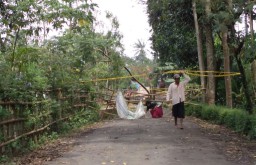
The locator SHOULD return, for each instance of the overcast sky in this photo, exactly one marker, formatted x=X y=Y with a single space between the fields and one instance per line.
x=133 y=22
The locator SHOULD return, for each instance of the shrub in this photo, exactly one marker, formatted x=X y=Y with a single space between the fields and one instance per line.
x=252 y=127
x=193 y=110
x=210 y=113
x=236 y=119
x=241 y=121
x=222 y=116
x=229 y=119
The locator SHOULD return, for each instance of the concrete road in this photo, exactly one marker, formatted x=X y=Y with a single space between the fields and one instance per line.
x=144 y=141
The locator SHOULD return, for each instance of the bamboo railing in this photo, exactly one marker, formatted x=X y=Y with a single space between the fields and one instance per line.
x=24 y=121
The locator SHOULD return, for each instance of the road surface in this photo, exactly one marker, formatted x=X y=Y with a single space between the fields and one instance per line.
x=144 y=141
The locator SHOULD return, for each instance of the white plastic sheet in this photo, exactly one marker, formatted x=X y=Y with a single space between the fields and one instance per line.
x=123 y=111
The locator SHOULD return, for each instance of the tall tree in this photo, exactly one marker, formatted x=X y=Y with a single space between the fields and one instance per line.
x=28 y=17
x=199 y=47
x=210 y=91
x=173 y=32
x=171 y=26
x=140 y=51
x=225 y=23
x=254 y=77
x=251 y=5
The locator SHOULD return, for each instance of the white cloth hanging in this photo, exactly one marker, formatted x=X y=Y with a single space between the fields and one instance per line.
x=123 y=111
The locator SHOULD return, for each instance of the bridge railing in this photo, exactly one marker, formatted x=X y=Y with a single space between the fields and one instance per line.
x=23 y=122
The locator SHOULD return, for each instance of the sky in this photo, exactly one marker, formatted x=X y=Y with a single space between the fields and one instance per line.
x=133 y=21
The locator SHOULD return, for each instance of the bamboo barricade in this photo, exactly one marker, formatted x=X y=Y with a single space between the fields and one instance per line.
x=20 y=120
x=24 y=119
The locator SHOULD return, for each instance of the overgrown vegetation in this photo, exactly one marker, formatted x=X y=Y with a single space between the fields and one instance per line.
x=236 y=119
x=48 y=85
x=35 y=67
x=208 y=35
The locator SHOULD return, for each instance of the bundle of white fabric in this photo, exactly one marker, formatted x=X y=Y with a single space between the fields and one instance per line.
x=123 y=111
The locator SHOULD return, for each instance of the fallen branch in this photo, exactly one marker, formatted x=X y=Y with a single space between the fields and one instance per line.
x=136 y=80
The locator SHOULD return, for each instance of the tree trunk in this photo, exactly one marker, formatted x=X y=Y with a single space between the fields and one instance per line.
x=250 y=15
x=2 y=46
x=246 y=21
x=70 y=19
x=254 y=72
x=199 y=49
x=249 y=104
x=254 y=77
x=210 y=91
x=226 y=54
x=14 y=48
x=251 y=26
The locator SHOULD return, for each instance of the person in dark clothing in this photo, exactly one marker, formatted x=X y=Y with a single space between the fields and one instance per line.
x=155 y=108
x=176 y=93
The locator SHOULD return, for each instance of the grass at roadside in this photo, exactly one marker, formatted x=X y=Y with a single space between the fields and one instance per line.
x=236 y=119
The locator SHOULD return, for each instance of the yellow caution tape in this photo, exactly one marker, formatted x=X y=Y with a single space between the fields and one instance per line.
x=213 y=73
x=206 y=73
x=114 y=78
x=189 y=72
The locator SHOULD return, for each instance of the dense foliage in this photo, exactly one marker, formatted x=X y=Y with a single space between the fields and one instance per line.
x=175 y=41
x=235 y=119
x=173 y=33
x=51 y=56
